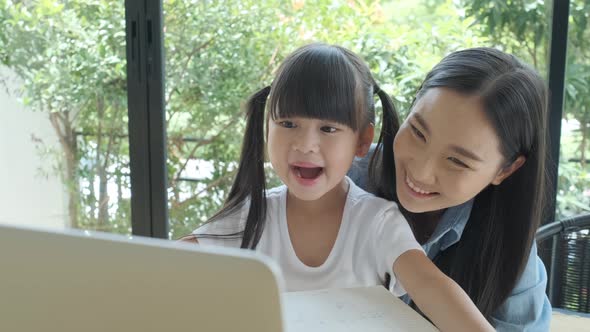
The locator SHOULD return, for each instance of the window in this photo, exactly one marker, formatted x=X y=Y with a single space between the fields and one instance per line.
x=220 y=52
x=63 y=125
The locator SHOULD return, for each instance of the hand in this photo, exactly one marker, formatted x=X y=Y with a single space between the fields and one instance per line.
x=189 y=238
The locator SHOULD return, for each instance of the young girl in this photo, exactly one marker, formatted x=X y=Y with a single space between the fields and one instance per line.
x=321 y=228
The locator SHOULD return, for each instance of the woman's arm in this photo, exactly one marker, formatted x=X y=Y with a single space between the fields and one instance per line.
x=438 y=296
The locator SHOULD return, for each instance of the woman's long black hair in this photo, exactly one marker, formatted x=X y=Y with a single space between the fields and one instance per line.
x=316 y=81
x=496 y=242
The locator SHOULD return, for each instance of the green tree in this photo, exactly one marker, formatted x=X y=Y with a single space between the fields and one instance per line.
x=522 y=27
x=71 y=59
x=221 y=70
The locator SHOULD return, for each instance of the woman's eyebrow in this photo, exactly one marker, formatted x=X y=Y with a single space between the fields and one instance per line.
x=455 y=148
x=422 y=122
x=465 y=153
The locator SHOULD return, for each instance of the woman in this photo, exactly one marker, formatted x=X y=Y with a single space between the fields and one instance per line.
x=467 y=168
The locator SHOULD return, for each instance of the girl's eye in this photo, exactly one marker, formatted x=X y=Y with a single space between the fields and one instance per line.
x=287 y=124
x=328 y=129
x=417 y=132
x=458 y=162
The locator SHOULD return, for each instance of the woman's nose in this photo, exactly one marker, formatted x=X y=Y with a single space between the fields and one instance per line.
x=423 y=170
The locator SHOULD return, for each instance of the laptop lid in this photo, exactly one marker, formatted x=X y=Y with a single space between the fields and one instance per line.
x=80 y=281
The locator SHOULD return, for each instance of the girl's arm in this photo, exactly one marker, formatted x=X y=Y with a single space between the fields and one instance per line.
x=189 y=238
x=438 y=296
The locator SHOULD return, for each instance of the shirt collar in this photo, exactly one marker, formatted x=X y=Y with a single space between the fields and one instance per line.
x=451 y=226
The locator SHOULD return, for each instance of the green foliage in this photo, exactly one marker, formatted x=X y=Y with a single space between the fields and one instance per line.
x=522 y=27
x=574 y=191
x=71 y=57
x=207 y=82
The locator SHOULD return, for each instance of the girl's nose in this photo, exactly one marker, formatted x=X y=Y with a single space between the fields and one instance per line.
x=306 y=142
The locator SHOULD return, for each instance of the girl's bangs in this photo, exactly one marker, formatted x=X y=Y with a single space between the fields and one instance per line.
x=319 y=86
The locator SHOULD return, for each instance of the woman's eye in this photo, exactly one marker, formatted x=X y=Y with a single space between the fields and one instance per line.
x=287 y=124
x=458 y=162
x=328 y=129
x=417 y=132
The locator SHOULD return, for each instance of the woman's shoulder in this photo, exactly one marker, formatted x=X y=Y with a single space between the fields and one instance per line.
x=533 y=274
x=359 y=171
x=527 y=307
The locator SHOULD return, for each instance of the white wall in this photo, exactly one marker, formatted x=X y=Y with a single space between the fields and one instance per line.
x=26 y=197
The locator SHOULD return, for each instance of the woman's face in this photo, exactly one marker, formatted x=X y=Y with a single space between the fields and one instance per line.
x=446 y=152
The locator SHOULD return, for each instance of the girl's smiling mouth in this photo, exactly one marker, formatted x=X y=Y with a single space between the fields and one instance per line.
x=306 y=173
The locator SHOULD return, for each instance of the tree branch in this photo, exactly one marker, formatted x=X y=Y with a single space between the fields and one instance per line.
x=189 y=57
x=205 y=142
x=212 y=184
x=55 y=119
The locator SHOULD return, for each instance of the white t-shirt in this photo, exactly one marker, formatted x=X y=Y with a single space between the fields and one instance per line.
x=373 y=234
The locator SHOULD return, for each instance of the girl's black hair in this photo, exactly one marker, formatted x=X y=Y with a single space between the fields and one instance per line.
x=496 y=242
x=317 y=81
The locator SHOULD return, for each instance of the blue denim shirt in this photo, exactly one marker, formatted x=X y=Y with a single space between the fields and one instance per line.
x=527 y=308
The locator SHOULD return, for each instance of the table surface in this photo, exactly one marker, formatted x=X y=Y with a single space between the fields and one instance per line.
x=566 y=321
x=366 y=309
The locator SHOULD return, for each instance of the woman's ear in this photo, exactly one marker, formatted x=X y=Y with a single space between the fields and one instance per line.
x=365 y=140
x=508 y=170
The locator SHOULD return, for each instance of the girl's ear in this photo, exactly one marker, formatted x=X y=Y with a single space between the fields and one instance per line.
x=508 y=170
x=365 y=140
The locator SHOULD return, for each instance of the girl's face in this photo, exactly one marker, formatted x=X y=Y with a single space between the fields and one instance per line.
x=446 y=152
x=312 y=156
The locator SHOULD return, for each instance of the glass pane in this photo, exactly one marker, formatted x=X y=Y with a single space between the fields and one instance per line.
x=574 y=179
x=63 y=124
x=220 y=52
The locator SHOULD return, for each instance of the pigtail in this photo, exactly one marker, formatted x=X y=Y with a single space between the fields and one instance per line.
x=382 y=162
x=250 y=181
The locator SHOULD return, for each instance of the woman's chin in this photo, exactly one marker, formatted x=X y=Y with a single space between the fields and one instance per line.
x=413 y=208
x=415 y=205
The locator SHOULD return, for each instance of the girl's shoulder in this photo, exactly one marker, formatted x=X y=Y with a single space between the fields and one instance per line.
x=275 y=193
x=363 y=203
x=235 y=221
x=378 y=219
x=231 y=223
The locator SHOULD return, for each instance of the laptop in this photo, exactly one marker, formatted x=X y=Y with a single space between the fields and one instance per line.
x=73 y=280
